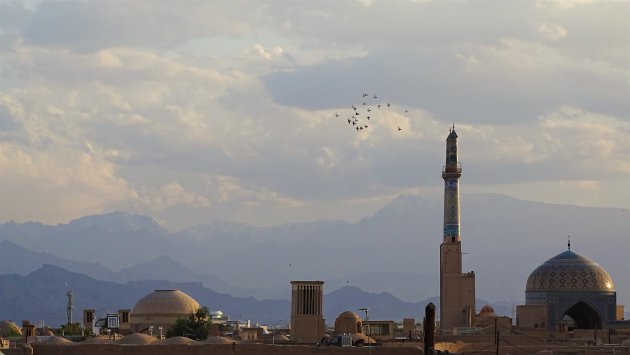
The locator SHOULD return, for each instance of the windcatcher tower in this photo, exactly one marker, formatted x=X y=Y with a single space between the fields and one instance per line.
x=457 y=289
x=307 y=317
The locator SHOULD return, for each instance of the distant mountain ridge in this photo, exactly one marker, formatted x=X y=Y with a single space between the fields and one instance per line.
x=41 y=295
x=398 y=247
x=15 y=259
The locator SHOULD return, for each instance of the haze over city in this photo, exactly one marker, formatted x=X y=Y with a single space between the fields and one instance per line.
x=192 y=112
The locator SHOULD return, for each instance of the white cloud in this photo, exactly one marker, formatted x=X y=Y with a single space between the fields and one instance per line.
x=564 y=4
x=169 y=195
x=229 y=189
x=271 y=53
x=553 y=31
x=57 y=184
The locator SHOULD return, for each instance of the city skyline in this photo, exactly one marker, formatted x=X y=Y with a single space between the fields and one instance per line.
x=194 y=112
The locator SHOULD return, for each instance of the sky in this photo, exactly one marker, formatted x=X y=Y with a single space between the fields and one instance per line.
x=196 y=111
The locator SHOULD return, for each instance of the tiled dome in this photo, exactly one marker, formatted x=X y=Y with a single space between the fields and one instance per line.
x=569 y=271
x=166 y=302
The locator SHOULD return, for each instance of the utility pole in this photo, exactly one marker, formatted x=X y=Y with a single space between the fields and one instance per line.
x=69 y=308
x=497 y=353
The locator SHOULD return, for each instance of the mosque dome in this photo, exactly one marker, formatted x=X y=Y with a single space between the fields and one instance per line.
x=569 y=271
x=165 y=302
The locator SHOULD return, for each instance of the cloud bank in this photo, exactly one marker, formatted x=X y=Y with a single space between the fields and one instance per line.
x=193 y=112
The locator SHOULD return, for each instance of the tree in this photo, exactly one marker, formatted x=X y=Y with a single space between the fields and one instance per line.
x=10 y=332
x=71 y=329
x=196 y=326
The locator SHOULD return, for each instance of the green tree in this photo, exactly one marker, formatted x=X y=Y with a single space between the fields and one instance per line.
x=195 y=326
x=71 y=329
x=10 y=332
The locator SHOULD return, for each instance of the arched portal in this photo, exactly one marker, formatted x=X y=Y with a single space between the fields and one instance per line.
x=584 y=316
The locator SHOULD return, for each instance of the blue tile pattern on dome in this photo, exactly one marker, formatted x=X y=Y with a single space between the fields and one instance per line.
x=569 y=271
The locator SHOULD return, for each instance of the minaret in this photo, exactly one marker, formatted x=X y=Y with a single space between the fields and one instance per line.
x=457 y=289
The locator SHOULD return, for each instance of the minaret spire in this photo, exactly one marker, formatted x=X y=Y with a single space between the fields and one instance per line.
x=569 y=242
x=451 y=173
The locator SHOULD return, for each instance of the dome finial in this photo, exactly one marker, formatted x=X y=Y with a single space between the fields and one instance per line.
x=569 y=242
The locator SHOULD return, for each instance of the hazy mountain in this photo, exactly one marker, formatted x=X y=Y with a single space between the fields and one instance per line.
x=115 y=240
x=395 y=250
x=15 y=259
x=165 y=268
x=41 y=295
x=384 y=305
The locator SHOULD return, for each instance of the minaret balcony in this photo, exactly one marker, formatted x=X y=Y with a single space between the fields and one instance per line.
x=453 y=170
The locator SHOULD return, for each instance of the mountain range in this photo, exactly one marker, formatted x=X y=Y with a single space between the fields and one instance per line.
x=395 y=250
x=41 y=296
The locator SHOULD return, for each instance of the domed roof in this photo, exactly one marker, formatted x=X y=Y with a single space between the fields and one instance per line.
x=8 y=327
x=137 y=339
x=487 y=312
x=58 y=341
x=176 y=340
x=569 y=271
x=349 y=315
x=348 y=322
x=166 y=302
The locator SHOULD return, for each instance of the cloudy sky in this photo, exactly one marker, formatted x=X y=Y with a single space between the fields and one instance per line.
x=196 y=111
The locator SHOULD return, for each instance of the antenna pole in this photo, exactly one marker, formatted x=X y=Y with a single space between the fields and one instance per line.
x=69 y=308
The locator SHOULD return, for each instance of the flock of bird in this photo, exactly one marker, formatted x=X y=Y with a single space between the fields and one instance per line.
x=362 y=113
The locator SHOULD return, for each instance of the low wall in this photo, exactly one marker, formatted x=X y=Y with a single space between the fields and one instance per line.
x=20 y=350
x=214 y=349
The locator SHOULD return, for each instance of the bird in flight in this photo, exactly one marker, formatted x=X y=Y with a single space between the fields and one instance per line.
x=366 y=105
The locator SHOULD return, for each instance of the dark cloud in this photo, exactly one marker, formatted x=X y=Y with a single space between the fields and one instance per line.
x=440 y=83
x=93 y=25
